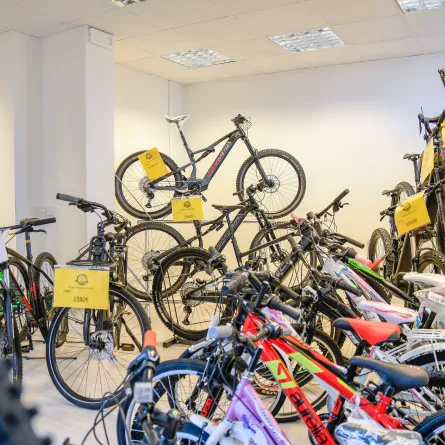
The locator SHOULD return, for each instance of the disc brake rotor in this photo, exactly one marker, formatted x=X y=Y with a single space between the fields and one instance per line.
x=101 y=346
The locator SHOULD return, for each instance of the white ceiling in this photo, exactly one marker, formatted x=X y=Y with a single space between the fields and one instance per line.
x=371 y=30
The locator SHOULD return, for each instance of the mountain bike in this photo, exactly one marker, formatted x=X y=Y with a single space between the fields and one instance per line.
x=151 y=242
x=32 y=284
x=88 y=350
x=151 y=199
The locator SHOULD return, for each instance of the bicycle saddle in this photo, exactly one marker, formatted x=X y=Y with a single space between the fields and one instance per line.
x=391 y=313
x=373 y=332
x=411 y=156
x=398 y=376
x=177 y=119
x=227 y=209
x=425 y=279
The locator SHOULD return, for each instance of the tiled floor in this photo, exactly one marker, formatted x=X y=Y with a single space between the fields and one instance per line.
x=60 y=419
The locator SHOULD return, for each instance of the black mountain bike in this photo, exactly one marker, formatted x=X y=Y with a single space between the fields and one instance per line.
x=88 y=350
x=150 y=242
x=282 y=173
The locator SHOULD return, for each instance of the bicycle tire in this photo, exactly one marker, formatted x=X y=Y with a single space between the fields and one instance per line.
x=163 y=371
x=17 y=358
x=164 y=305
x=386 y=266
x=295 y=278
x=53 y=343
x=44 y=288
x=242 y=184
x=130 y=208
x=437 y=260
x=432 y=424
x=148 y=263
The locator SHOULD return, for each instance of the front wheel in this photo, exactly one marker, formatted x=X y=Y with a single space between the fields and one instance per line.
x=287 y=181
x=88 y=351
x=432 y=428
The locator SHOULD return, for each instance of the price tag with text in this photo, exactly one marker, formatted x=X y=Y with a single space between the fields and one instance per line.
x=81 y=287
x=153 y=164
x=411 y=214
x=187 y=209
x=427 y=162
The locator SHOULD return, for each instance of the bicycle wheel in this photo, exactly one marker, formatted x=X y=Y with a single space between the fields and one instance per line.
x=380 y=246
x=45 y=288
x=176 y=384
x=431 y=261
x=85 y=362
x=186 y=294
x=277 y=253
x=287 y=175
x=147 y=243
x=432 y=428
x=133 y=191
x=10 y=348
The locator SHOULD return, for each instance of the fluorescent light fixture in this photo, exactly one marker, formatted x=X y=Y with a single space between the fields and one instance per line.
x=126 y=2
x=408 y=6
x=308 y=40
x=197 y=58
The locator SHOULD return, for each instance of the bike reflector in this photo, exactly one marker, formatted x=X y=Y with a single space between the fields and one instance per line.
x=187 y=209
x=153 y=164
x=81 y=287
x=411 y=214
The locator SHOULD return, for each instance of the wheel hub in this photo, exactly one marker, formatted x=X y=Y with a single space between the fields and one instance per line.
x=144 y=184
x=101 y=346
x=186 y=290
x=148 y=263
x=276 y=184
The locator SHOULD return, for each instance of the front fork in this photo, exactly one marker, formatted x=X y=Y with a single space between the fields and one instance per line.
x=260 y=168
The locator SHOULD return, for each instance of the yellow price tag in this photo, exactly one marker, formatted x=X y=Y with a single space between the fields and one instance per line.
x=153 y=164
x=187 y=209
x=81 y=287
x=411 y=214
x=427 y=161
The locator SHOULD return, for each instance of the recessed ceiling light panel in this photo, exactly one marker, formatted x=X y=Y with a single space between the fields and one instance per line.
x=408 y=6
x=126 y=2
x=197 y=58
x=308 y=40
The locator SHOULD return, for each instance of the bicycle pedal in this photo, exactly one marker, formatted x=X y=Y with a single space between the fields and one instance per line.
x=129 y=347
x=26 y=349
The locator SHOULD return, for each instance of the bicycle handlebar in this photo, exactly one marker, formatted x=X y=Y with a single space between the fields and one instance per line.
x=276 y=303
x=332 y=204
x=349 y=240
x=236 y=282
x=348 y=288
x=68 y=198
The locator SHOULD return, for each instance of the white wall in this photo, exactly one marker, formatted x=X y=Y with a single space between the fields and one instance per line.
x=348 y=125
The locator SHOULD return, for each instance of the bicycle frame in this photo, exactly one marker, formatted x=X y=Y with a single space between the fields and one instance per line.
x=231 y=138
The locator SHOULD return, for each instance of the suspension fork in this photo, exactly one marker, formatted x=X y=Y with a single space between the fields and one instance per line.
x=260 y=168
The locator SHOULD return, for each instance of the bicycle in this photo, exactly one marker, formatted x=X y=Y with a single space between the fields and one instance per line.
x=32 y=283
x=88 y=350
x=151 y=199
x=376 y=403
x=151 y=242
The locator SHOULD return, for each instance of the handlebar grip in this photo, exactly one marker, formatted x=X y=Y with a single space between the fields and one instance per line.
x=351 y=241
x=292 y=242
x=362 y=259
x=276 y=303
x=220 y=332
x=236 y=283
x=42 y=222
x=348 y=288
x=68 y=198
x=290 y=293
x=150 y=339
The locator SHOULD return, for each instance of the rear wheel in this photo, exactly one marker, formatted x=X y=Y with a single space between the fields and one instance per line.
x=286 y=176
x=186 y=294
x=133 y=191
x=87 y=358
x=147 y=244
x=432 y=429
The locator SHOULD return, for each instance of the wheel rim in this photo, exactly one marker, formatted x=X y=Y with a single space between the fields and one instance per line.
x=144 y=247
x=135 y=190
x=86 y=375
x=46 y=287
x=285 y=191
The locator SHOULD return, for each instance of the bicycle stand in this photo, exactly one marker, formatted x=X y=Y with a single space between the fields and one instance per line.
x=175 y=340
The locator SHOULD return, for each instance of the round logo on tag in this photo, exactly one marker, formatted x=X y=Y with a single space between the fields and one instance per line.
x=405 y=206
x=187 y=204
x=148 y=156
x=82 y=279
